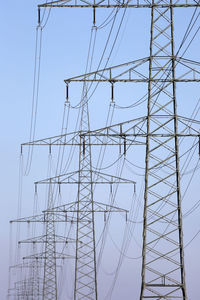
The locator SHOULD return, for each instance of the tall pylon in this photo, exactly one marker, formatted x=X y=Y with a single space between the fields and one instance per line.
x=163 y=274
x=85 y=286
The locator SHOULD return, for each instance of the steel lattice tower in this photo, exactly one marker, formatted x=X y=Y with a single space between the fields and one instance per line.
x=85 y=264
x=50 y=274
x=163 y=260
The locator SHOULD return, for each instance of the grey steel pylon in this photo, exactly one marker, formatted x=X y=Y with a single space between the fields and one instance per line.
x=85 y=265
x=85 y=286
x=163 y=275
x=46 y=287
x=50 y=272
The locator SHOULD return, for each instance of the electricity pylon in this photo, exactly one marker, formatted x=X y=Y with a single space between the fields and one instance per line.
x=33 y=268
x=31 y=286
x=50 y=255
x=85 y=264
x=163 y=259
x=163 y=270
x=84 y=208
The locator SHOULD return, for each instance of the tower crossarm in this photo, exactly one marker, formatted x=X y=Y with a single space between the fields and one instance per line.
x=137 y=71
x=98 y=207
x=58 y=140
x=58 y=217
x=43 y=255
x=134 y=128
x=28 y=265
x=126 y=72
x=118 y=4
x=72 y=178
x=130 y=128
x=43 y=239
x=62 y=140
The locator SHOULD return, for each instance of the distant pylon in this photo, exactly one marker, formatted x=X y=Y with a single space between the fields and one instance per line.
x=50 y=270
x=85 y=264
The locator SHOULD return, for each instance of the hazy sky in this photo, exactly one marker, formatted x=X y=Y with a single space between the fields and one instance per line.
x=64 y=49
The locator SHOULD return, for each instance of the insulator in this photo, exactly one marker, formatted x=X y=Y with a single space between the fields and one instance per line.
x=38 y=16
x=104 y=217
x=94 y=16
x=59 y=188
x=126 y=217
x=199 y=146
x=67 y=93
x=49 y=149
x=134 y=188
x=35 y=188
x=120 y=129
x=124 y=146
x=111 y=188
x=112 y=92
